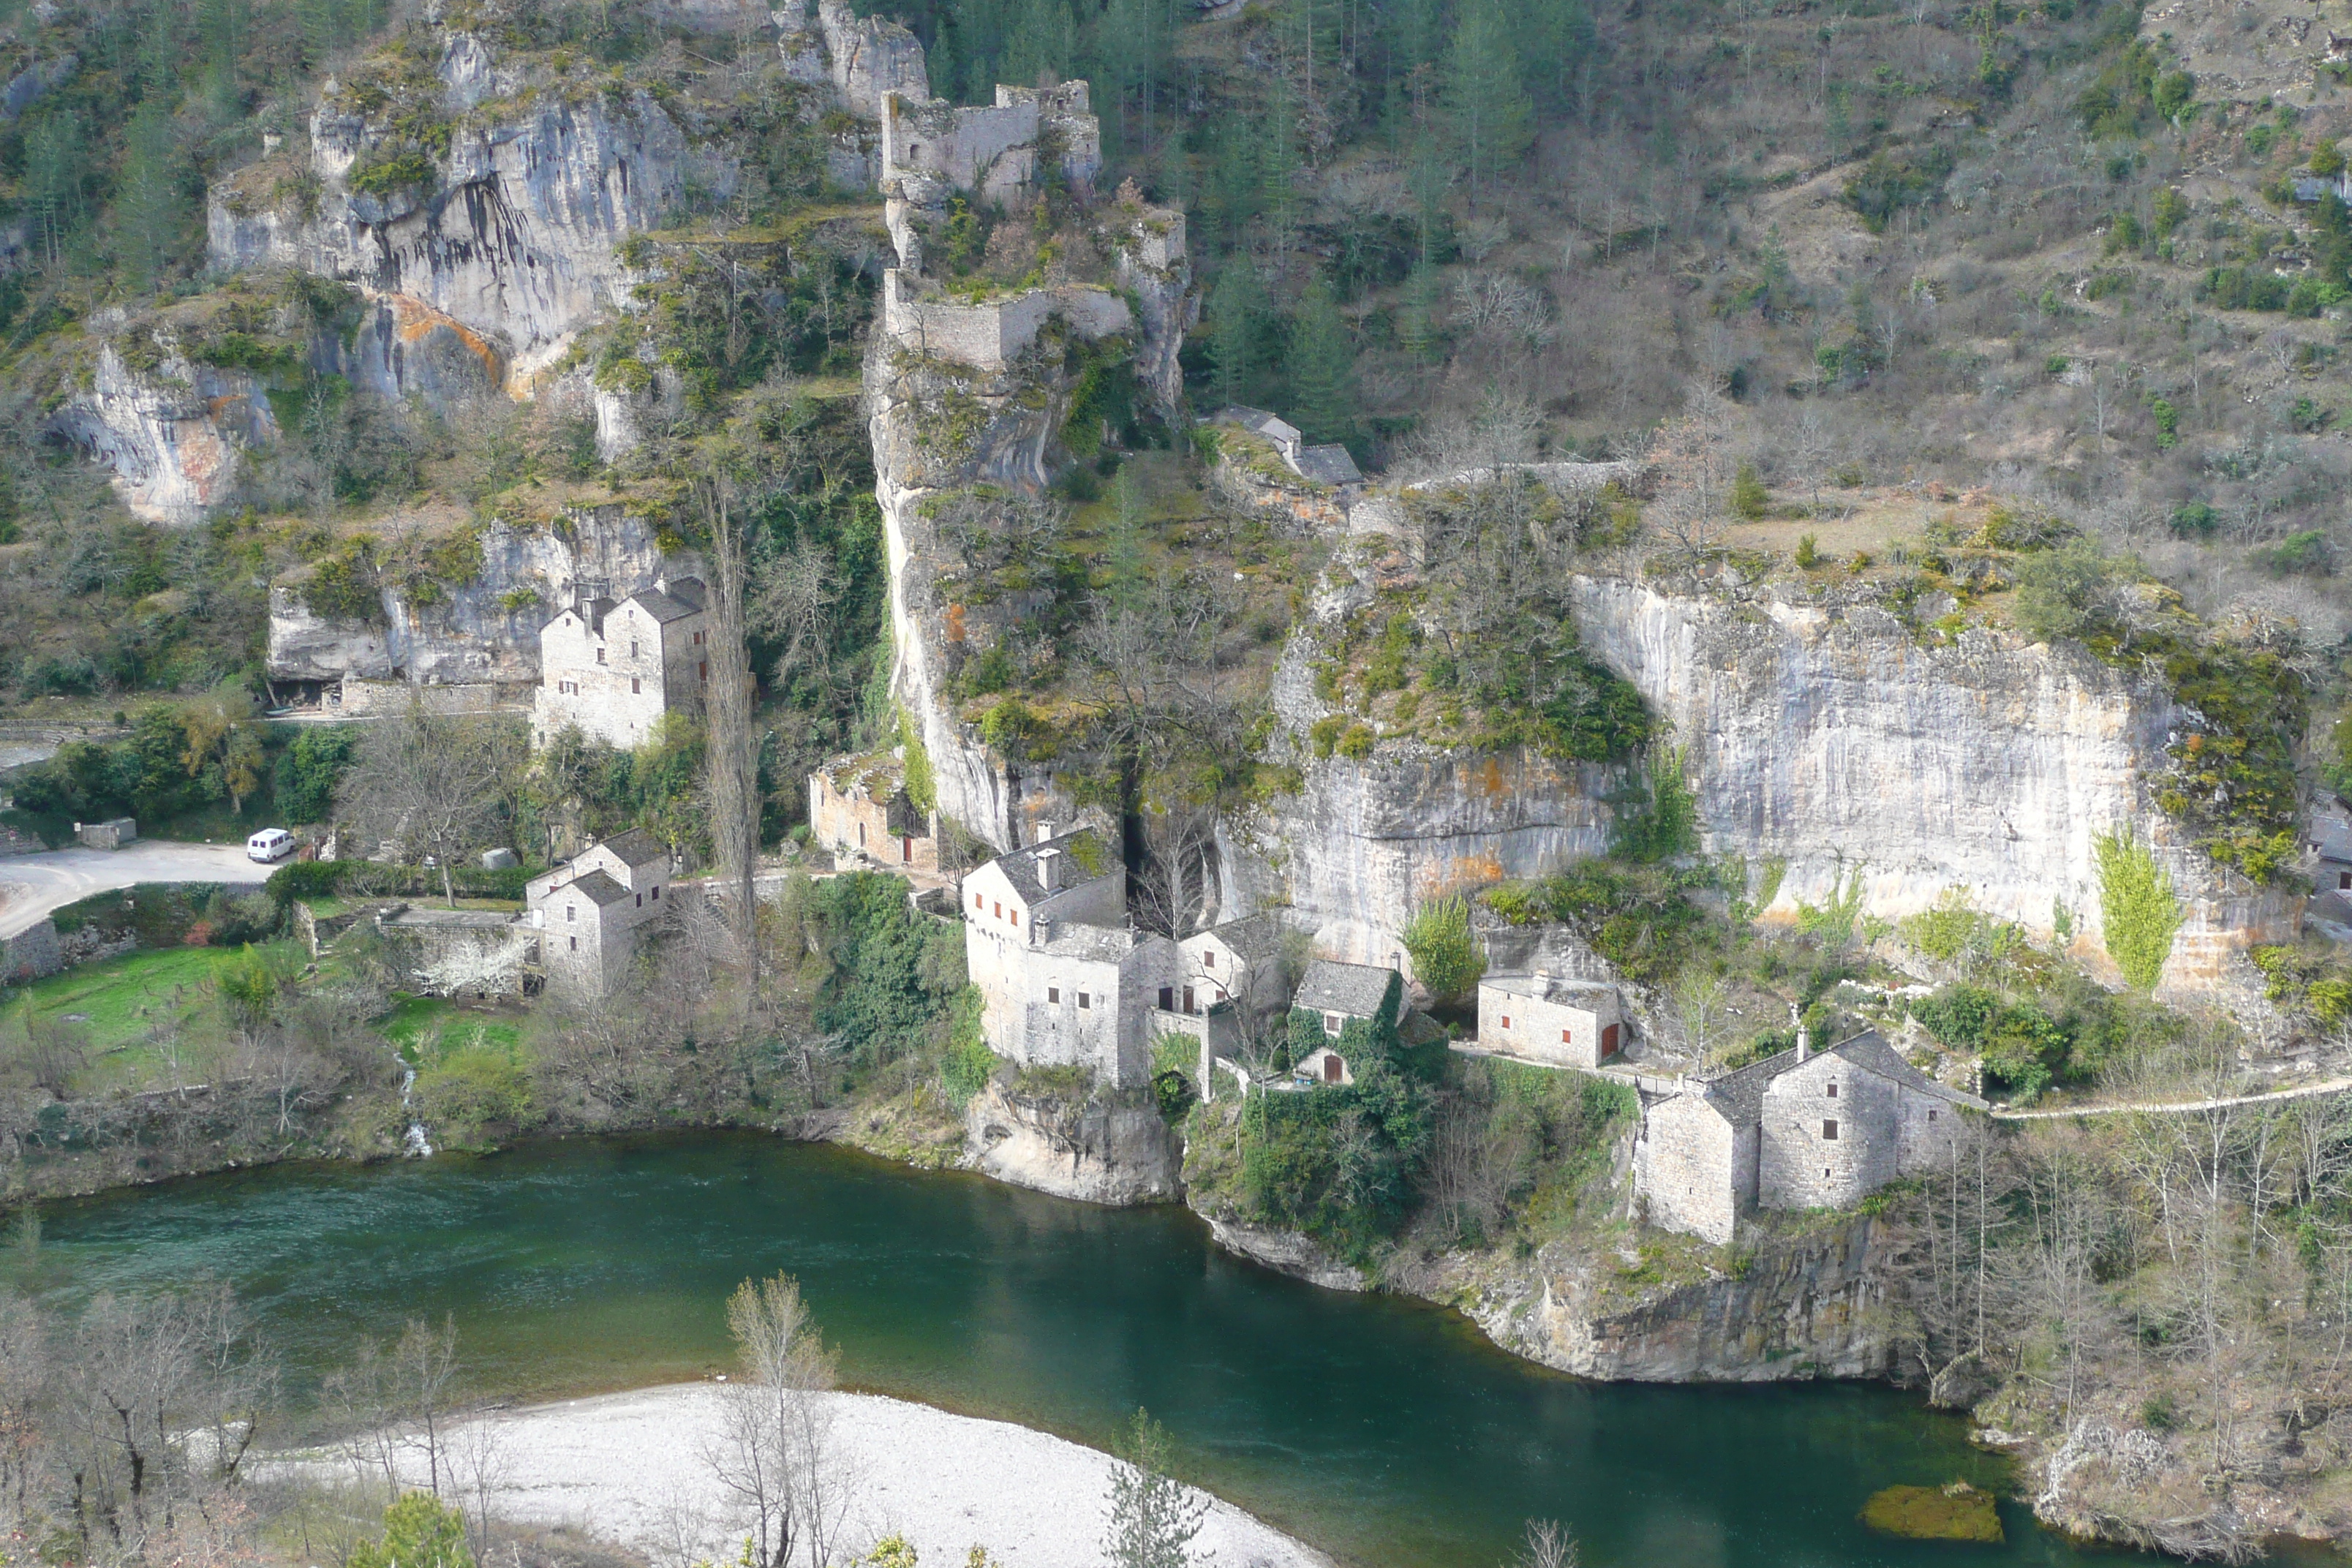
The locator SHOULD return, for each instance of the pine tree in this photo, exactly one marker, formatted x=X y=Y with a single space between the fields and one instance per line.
x=1042 y=39
x=56 y=165
x=1485 y=99
x=1322 y=363
x=151 y=208
x=1238 y=321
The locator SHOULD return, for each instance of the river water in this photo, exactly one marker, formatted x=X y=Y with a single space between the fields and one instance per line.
x=1387 y=1432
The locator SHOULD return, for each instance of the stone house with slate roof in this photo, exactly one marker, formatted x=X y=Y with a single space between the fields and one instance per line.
x=612 y=670
x=589 y=911
x=1568 y=1022
x=2330 y=866
x=1063 y=977
x=1803 y=1129
x=1339 y=1013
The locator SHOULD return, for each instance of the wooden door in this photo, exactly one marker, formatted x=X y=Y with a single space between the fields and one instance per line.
x=1332 y=1066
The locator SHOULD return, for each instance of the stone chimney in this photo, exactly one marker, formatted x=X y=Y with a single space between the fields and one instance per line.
x=1049 y=868
x=1044 y=831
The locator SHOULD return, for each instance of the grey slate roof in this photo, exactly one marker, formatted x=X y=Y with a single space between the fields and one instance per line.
x=1552 y=988
x=1251 y=936
x=1020 y=867
x=1354 y=989
x=483 y=919
x=598 y=888
x=1103 y=945
x=1738 y=1095
x=2331 y=829
x=636 y=847
x=1328 y=465
x=685 y=598
x=1258 y=422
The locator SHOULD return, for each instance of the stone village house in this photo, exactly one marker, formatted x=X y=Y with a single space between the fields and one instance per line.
x=1800 y=1130
x=612 y=670
x=589 y=910
x=1339 y=1011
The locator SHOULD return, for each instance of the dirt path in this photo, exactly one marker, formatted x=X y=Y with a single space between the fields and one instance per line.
x=2180 y=1107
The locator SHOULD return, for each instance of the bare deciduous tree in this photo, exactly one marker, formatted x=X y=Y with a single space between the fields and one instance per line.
x=774 y=1451
x=427 y=785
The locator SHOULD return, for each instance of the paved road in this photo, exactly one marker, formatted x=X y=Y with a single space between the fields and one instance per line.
x=33 y=885
x=2175 y=1107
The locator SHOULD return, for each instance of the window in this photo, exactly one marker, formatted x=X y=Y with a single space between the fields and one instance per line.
x=1931 y=1114
x=1167 y=999
x=1054 y=996
x=1829 y=1130
x=1832 y=1091
x=2343 y=882
x=1208 y=961
x=978 y=903
x=861 y=835
x=1085 y=1003
x=705 y=670
x=600 y=656
x=1507 y=1020
x=641 y=900
x=1017 y=916
x=633 y=650
x=1564 y=1039
x=1330 y=1023
x=657 y=892
x=575 y=944
x=571 y=912
x=634 y=687
x=1000 y=911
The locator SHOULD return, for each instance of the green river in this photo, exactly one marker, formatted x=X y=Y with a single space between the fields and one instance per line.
x=1387 y=1431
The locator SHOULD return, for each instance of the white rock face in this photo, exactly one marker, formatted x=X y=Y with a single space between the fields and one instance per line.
x=516 y=241
x=1835 y=740
x=485 y=630
x=176 y=439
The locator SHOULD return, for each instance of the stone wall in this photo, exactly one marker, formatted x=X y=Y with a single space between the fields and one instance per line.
x=1798 y=1165
x=31 y=952
x=354 y=698
x=991 y=335
x=1691 y=1167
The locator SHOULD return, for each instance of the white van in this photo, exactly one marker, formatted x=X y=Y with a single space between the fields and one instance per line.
x=269 y=844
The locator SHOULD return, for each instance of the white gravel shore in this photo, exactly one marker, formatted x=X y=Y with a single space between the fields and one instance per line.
x=628 y=1468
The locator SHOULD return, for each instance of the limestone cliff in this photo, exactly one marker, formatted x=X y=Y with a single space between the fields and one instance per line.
x=1099 y=1154
x=175 y=437
x=483 y=630
x=1841 y=742
x=970 y=393
x=1798 y=1306
x=515 y=234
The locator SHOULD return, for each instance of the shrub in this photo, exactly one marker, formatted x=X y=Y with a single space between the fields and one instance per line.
x=1445 y=952
x=968 y=1063
x=1809 y=551
x=418 y=1532
x=475 y=1085
x=2305 y=554
x=1749 y=496
x=2195 y=520
x=1358 y=743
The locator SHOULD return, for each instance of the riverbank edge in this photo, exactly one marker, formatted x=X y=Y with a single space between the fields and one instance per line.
x=628 y=1467
x=1501 y=1295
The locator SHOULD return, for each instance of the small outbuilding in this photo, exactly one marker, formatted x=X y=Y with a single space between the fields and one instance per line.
x=1571 y=1023
x=112 y=834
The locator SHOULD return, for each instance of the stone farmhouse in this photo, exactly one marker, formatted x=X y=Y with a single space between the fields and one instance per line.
x=1339 y=1013
x=1237 y=964
x=1800 y=1130
x=858 y=807
x=1328 y=464
x=589 y=910
x=1568 y=1022
x=1063 y=978
x=611 y=670
x=2329 y=866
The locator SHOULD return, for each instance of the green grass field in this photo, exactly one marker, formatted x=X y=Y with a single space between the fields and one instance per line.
x=426 y=1028
x=118 y=1005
